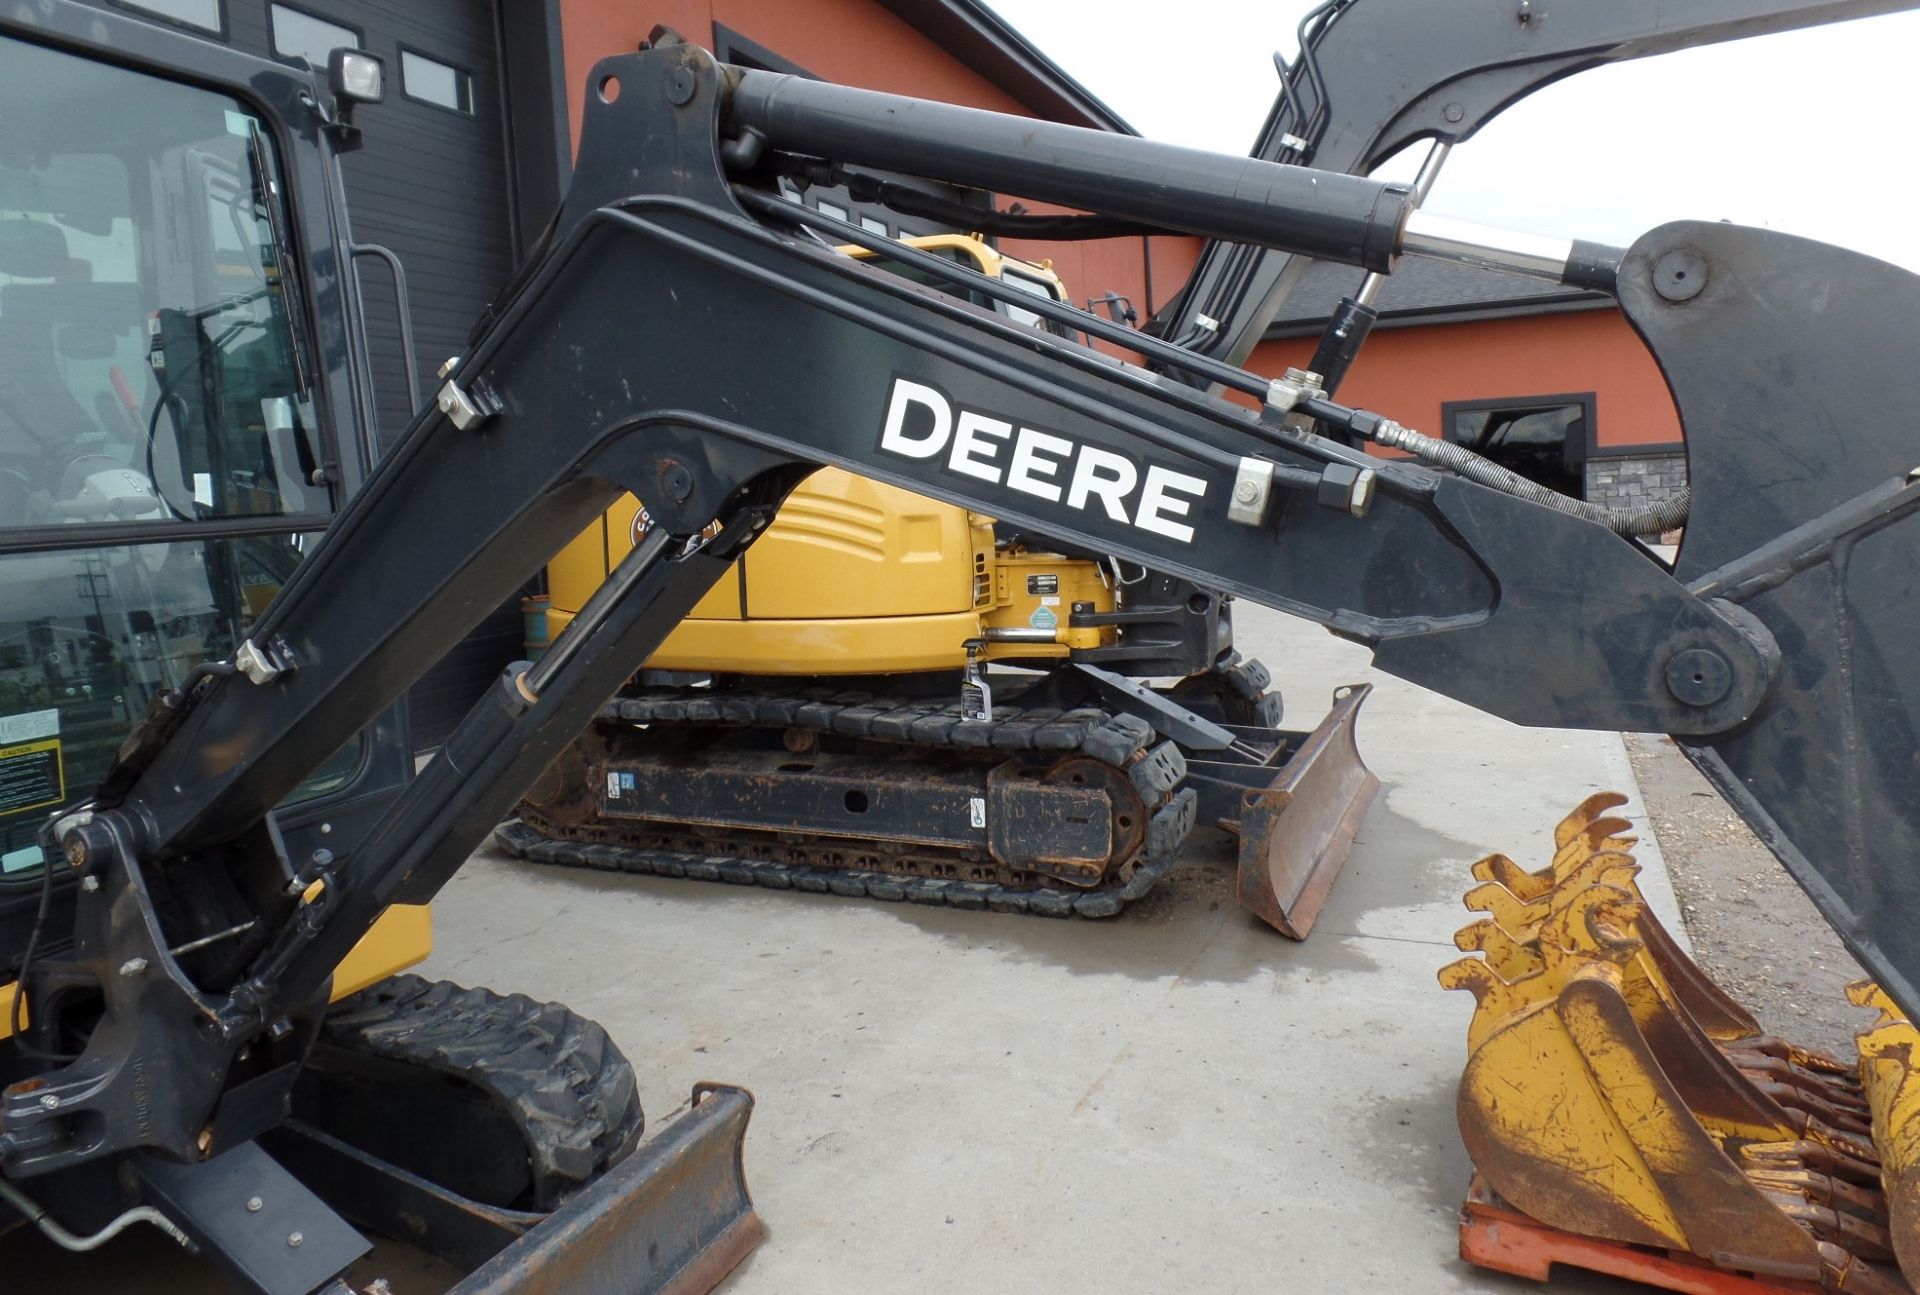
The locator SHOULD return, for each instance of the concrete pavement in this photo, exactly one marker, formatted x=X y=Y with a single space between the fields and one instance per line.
x=1176 y=1100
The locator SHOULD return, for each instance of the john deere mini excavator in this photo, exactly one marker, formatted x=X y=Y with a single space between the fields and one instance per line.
x=891 y=691
x=182 y=958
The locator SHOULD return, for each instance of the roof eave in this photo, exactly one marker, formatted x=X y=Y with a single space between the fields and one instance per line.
x=983 y=41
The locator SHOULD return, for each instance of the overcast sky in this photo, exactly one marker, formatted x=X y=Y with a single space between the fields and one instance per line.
x=1809 y=132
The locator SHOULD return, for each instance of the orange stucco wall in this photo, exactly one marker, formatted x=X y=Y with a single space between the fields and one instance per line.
x=1408 y=373
x=856 y=42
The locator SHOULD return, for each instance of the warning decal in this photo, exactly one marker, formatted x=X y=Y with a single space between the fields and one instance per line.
x=31 y=776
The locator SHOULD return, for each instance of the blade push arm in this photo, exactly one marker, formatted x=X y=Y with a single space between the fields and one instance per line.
x=673 y=345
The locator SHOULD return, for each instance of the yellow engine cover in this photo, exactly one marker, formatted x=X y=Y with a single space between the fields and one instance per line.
x=853 y=577
x=856 y=577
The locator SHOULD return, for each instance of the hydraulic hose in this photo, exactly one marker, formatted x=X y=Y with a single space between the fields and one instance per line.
x=1664 y=516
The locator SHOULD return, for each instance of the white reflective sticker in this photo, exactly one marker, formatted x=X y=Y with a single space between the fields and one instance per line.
x=977 y=810
x=28 y=725
x=613 y=786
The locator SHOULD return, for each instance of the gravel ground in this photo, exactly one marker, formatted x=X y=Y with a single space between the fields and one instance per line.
x=1753 y=929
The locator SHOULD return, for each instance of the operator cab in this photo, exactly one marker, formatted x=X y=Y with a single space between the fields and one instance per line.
x=162 y=468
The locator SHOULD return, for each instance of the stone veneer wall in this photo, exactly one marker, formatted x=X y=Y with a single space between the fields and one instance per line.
x=1636 y=482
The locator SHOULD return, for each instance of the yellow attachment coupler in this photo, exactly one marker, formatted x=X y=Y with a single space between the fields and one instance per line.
x=1613 y=1091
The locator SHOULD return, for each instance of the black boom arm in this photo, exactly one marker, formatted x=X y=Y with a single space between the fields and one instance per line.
x=692 y=342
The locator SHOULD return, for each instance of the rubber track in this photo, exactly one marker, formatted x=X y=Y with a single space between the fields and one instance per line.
x=566 y=1084
x=1155 y=768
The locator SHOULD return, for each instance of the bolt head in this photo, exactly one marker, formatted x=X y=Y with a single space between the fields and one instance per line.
x=294 y=1239
x=1246 y=492
x=254 y=1204
x=49 y=1102
x=90 y=884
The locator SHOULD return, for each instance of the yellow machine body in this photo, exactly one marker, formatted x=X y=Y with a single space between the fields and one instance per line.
x=402 y=938
x=858 y=577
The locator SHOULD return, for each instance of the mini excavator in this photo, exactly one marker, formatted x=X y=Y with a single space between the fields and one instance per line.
x=190 y=926
x=891 y=692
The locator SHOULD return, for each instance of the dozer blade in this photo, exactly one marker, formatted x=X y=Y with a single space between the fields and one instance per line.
x=1596 y=1102
x=673 y=1218
x=1889 y=1052
x=1296 y=833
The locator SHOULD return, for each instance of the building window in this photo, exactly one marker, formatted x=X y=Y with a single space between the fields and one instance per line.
x=1543 y=438
x=434 y=82
x=201 y=15
x=297 y=34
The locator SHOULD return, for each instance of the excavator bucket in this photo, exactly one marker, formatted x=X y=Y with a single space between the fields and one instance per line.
x=1614 y=1095
x=1296 y=832
x=1889 y=1051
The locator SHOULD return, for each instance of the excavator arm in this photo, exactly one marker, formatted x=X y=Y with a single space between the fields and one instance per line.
x=1373 y=78
x=682 y=335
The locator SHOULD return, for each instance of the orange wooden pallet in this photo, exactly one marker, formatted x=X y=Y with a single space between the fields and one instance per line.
x=1495 y=1235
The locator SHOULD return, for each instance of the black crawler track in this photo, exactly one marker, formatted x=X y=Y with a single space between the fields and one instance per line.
x=1155 y=769
x=561 y=1080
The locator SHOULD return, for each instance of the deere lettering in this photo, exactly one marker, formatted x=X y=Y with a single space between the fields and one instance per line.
x=922 y=423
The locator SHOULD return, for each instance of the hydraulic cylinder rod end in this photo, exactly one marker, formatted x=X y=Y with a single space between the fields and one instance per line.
x=1463 y=242
x=1595 y=266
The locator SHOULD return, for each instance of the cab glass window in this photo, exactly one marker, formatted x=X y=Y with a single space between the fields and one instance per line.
x=150 y=368
x=87 y=635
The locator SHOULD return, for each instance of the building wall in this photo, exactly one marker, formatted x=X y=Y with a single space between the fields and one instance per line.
x=859 y=43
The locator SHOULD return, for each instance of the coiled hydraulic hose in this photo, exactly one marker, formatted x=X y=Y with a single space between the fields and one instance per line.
x=1665 y=516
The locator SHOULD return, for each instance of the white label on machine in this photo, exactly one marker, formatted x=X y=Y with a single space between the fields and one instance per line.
x=21 y=859
x=28 y=725
x=613 y=785
x=977 y=810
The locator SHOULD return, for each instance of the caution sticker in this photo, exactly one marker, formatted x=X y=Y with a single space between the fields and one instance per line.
x=31 y=776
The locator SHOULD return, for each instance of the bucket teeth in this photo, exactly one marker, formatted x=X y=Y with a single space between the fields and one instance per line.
x=1614 y=1091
